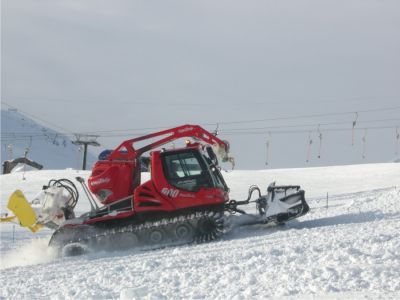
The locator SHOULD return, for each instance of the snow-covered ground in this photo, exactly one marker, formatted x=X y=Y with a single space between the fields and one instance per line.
x=350 y=249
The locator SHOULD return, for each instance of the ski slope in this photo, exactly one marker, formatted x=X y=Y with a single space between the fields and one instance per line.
x=48 y=147
x=348 y=247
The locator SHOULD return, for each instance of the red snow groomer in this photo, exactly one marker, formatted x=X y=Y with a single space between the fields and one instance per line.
x=180 y=178
x=186 y=199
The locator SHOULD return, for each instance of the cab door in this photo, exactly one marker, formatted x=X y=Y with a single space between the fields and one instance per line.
x=183 y=179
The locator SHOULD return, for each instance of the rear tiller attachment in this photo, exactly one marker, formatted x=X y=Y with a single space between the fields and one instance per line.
x=281 y=204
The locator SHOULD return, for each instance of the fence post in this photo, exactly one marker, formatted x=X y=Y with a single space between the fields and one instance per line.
x=327 y=197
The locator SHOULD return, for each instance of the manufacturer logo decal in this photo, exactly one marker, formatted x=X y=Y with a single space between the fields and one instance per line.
x=100 y=181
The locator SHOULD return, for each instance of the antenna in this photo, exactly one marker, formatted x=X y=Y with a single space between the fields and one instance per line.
x=216 y=131
x=397 y=140
x=85 y=140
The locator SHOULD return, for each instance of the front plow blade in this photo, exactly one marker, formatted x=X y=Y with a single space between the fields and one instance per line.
x=23 y=211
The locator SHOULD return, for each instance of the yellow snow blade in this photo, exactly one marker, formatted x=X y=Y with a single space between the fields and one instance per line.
x=23 y=211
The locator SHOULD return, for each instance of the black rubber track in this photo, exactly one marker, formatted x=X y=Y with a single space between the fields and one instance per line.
x=198 y=227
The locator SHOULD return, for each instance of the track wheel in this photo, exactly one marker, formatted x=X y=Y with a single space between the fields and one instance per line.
x=183 y=231
x=155 y=236
x=211 y=226
x=74 y=249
